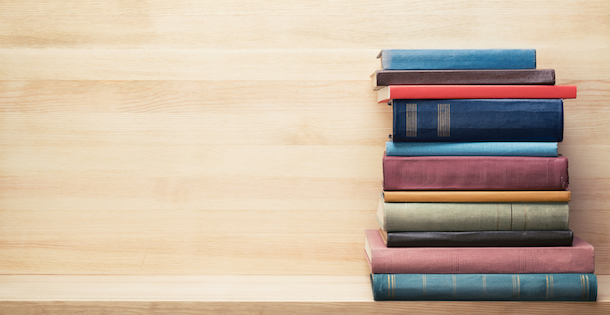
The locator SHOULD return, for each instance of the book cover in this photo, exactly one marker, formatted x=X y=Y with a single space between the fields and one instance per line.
x=470 y=148
x=422 y=59
x=462 y=77
x=578 y=258
x=475 y=173
x=476 y=196
x=473 y=216
x=477 y=238
x=394 y=92
x=479 y=120
x=485 y=287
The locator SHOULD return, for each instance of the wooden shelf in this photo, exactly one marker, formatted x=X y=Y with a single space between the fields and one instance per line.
x=227 y=294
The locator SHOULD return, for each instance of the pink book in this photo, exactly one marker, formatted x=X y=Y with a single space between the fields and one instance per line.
x=578 y=258
x=475 y=173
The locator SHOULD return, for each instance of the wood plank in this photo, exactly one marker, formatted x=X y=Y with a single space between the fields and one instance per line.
x=243 y=288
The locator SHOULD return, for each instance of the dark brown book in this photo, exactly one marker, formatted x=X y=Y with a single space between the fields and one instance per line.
x=383 y=78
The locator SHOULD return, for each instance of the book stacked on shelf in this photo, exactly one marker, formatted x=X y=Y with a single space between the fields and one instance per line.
x=475 y=196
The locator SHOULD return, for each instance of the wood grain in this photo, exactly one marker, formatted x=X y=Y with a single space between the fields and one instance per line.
x=206 y=138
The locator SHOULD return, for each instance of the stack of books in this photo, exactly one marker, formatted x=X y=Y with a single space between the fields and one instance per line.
x=475 y=196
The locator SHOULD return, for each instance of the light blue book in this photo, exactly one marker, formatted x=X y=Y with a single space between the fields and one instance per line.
x=485 y=287
x=471 y=148
x=458 y=59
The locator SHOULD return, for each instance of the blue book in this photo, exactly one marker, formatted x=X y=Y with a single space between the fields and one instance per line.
x=485 y=287
x=471 y=148
x=466 y=120
x=458 y=59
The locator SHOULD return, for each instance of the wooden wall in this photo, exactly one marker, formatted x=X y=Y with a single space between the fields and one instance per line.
x=243 y=137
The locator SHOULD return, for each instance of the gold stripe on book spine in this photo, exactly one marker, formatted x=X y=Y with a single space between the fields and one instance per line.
x=547 y=287
x=424 y=285
x=582 y=287
x=454 y=287
x=411 y=120
x=444 y=120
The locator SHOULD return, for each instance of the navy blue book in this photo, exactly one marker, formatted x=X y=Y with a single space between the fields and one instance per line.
x=458 y=59
x=485 y=287
x=466 y=120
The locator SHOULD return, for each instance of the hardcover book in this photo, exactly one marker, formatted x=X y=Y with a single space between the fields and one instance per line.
x=477 y=238
x=480 y=120
x=475 y=173
x=427 y=59
x=462 y=77
x=578 y=258
x=470 y=148
x=485 y=287
x=473 y=216
x=394 y=92
x=476 y=196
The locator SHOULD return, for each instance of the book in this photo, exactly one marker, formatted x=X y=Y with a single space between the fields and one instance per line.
x=485 y=287
x=394 y=92
x=578 y=258
x=477 y=238
x=479 y=120
x=477 y=77
x=428 y=59
x=477 y=196
x=470 y=148
x=473 y=216
x=475 y=173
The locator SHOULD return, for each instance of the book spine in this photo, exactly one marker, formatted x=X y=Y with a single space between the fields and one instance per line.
x=393 y=92
x=484 y=120
x=477 y=196
x=485 y=287
x=421 y=59
x=475 y=173
x=463 y=77
x=471 y=148
x=480 y=239
x=578 y=258
x=469 y=216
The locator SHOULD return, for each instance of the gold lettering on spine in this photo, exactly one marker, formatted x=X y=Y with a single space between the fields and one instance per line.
x=424 y=283
x=411 y=120
x=514 y=288
x=587 y=288
x=393 y=286
x=444 y=120
x=519 y=287
x=389 y=288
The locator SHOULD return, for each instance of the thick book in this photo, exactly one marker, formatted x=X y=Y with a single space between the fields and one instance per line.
x=473 y=216
x=394 y=92
x=477 y=238
x=471 y=148
x=475 y=173
x=462 y=77
x=479 y=120
x=578 y=258
x=439 y=59
x=476 y=196
x=485 y=287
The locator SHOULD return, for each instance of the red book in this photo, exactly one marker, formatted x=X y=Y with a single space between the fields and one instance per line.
x=475 y=173
x=474 y=91
x=578 y=258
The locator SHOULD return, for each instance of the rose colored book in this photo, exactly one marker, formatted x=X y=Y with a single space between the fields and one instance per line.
x=475 y=173
x=476 y=196
x=393 y=92
x=578 y=258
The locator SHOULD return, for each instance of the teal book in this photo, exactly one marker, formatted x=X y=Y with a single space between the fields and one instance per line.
x=485 y=287
x=457 y=59
x=471 y=148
